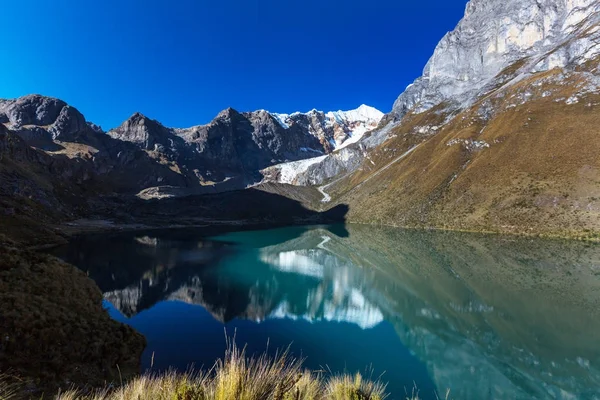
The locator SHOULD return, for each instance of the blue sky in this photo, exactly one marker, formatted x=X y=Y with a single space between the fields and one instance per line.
x=182 y=61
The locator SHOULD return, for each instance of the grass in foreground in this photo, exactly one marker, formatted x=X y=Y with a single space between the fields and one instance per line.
x=236 y=377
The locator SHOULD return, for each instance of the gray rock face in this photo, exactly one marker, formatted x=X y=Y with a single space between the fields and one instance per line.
x=31 y=110
x=232 y=144
x=41 y=120
x=144 y=132
x=492 y=36
x=68 y=124
x=249 y=140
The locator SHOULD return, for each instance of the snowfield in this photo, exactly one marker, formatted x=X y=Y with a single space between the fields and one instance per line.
x=289 y=171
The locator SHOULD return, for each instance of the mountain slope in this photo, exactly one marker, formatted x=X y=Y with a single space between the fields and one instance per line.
x=504 y=140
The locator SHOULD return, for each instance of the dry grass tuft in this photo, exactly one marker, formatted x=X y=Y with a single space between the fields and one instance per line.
x=236 y=376
x=355 y=388
x=8 y=388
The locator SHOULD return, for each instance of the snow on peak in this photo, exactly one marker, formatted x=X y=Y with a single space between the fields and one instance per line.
x=363 y=113
x=281 y=118
x=340 y=128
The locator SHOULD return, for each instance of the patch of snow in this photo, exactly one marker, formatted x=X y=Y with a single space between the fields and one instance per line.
x=355 y=136
x=281 y=119
x=469 y=144
x=289 y=171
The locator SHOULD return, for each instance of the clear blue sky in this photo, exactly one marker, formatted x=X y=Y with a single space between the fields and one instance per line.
x=182 y=61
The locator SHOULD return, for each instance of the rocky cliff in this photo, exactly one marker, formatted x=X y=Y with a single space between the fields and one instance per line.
x=493 y=36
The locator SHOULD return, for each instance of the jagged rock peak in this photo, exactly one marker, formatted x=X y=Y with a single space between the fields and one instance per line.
x=141 y=130
x=137 y=116
x=229 y=112
x=33 y=114
x=33 y=109
x=493 y=35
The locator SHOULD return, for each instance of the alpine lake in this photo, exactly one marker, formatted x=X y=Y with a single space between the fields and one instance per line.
x=484 y=316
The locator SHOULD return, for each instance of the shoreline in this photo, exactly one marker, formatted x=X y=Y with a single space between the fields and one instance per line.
x=207 y=227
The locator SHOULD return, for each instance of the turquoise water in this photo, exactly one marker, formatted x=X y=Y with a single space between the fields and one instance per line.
x=487 y=317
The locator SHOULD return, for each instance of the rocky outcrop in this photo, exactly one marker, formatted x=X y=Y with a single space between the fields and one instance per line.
x=31 y=110
x=42 y=120
x=146 y=133
x=491 y=37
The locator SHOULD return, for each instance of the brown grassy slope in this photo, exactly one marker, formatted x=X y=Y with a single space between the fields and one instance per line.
x=541 y=173
x=53 y=329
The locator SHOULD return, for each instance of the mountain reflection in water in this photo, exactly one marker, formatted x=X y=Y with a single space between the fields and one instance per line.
x=489 y=317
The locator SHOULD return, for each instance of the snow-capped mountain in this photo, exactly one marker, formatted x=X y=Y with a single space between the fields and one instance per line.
x=225 y=154
x=337 y=129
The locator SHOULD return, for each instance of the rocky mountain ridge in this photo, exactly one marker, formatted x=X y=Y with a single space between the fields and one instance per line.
x=225 y=154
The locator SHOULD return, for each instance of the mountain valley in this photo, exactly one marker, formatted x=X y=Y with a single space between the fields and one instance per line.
x=499 y=135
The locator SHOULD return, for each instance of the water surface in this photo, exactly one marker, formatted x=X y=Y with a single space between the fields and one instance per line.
x=488 y=317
